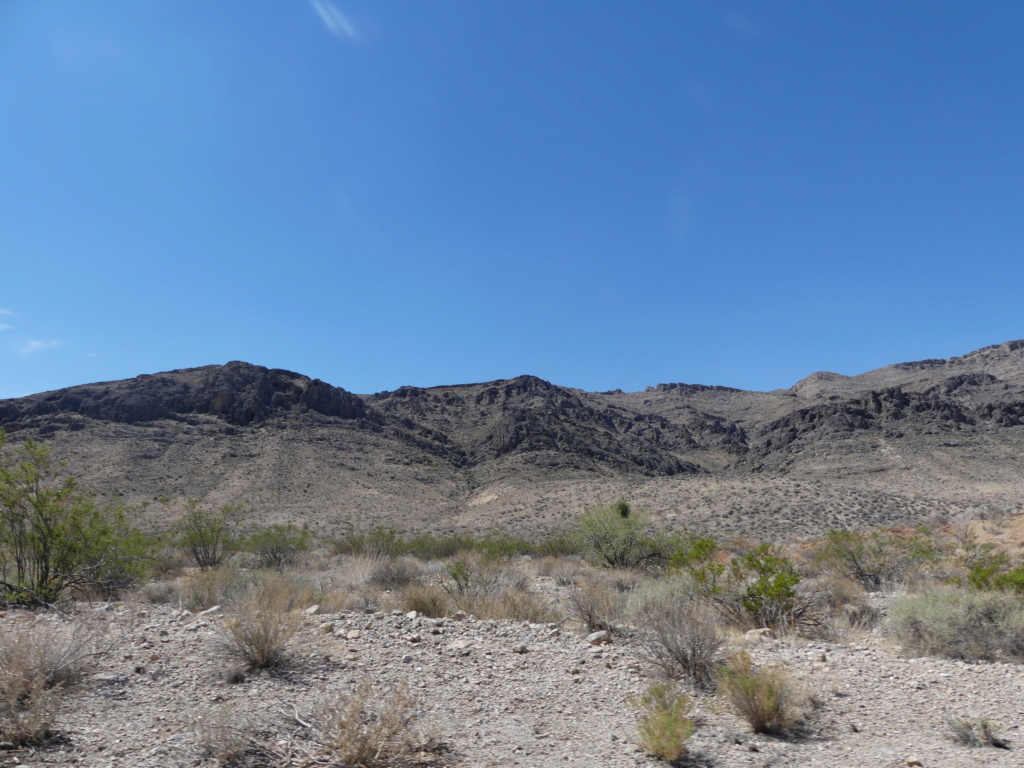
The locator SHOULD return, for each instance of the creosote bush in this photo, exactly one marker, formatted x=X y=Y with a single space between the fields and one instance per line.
x=208 y=536
x=618 y=536
x=55 y=540
x=278 y=546
x=766 y=697
x=664 y=724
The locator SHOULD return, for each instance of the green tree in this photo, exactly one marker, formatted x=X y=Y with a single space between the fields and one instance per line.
x=55 y=539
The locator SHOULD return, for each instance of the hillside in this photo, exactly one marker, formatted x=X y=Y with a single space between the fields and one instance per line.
x=908 y=442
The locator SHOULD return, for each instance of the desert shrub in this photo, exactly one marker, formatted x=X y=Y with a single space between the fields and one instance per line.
x=593 y=603
x=618 y=536
x=760 y=587
x=557 y=545
x=975 y=732
x=221 y=736
x=766 y=697
x=394 y=573
x=379 y=541
x=664 y=724
x=991 y=570
x=428 y=599
x=877 y=560
x=36 y=663
x=961 y=624
x=279 y=545
x=685 y=641
x=261 y=624
x=429 y=547
x=208 y=536
x=477 y=587
x=515 y=604
x=216 y=586
x=55 y=540
x=357 y=731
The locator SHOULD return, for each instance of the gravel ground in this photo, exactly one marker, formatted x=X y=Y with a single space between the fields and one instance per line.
x=501 y=693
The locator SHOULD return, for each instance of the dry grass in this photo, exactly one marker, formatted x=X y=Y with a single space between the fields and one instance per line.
x=595 y=604
x=221 y=736
x=37 y=662
x=214 y=586
x=975 y=732
x=428 y=599
x=359 y=732
x=767 y=698
x=262 y=623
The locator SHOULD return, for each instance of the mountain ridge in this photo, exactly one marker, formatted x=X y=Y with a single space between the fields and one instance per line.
x=931 y=437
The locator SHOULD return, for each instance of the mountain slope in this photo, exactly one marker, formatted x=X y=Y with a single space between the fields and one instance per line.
x=904 y=442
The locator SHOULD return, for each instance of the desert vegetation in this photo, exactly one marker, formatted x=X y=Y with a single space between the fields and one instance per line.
x=713 y=625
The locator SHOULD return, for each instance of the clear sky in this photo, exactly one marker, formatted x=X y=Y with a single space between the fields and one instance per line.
x=605 y=195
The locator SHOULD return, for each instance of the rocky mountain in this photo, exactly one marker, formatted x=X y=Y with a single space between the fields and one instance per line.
x=905 y=443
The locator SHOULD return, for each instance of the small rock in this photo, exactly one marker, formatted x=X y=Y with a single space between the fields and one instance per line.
x=407 y=659
x=327 y=628
x=353 y=634
x=914 y=760
x=313 y=610
x=459 y=616
x=412 y=614
x=209 y=612
x=521 y=648
x=599 y=638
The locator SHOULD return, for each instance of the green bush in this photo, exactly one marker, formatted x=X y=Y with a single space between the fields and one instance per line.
x=876 y=560
x=769 y=592
x=54 y=538
x=664 y=724
x=958 y=624
x=279 y=545
x=759 y=587
x=207 y=536
x=618 y=536
x=765 y=697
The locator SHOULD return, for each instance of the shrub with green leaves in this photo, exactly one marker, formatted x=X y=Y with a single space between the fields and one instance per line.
x=55 y=539
x=617 y=536
x=878 y=559
x=208 y=536
x=663 y=723
x=958 y=624
x=766 y=697
x=279 y=545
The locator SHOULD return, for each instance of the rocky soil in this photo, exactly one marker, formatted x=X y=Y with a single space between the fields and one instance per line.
x=500 y=693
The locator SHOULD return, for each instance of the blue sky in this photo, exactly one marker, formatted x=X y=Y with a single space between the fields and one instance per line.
x=605 y=195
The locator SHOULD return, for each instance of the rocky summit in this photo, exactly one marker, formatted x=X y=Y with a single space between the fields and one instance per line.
x=899 y=445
